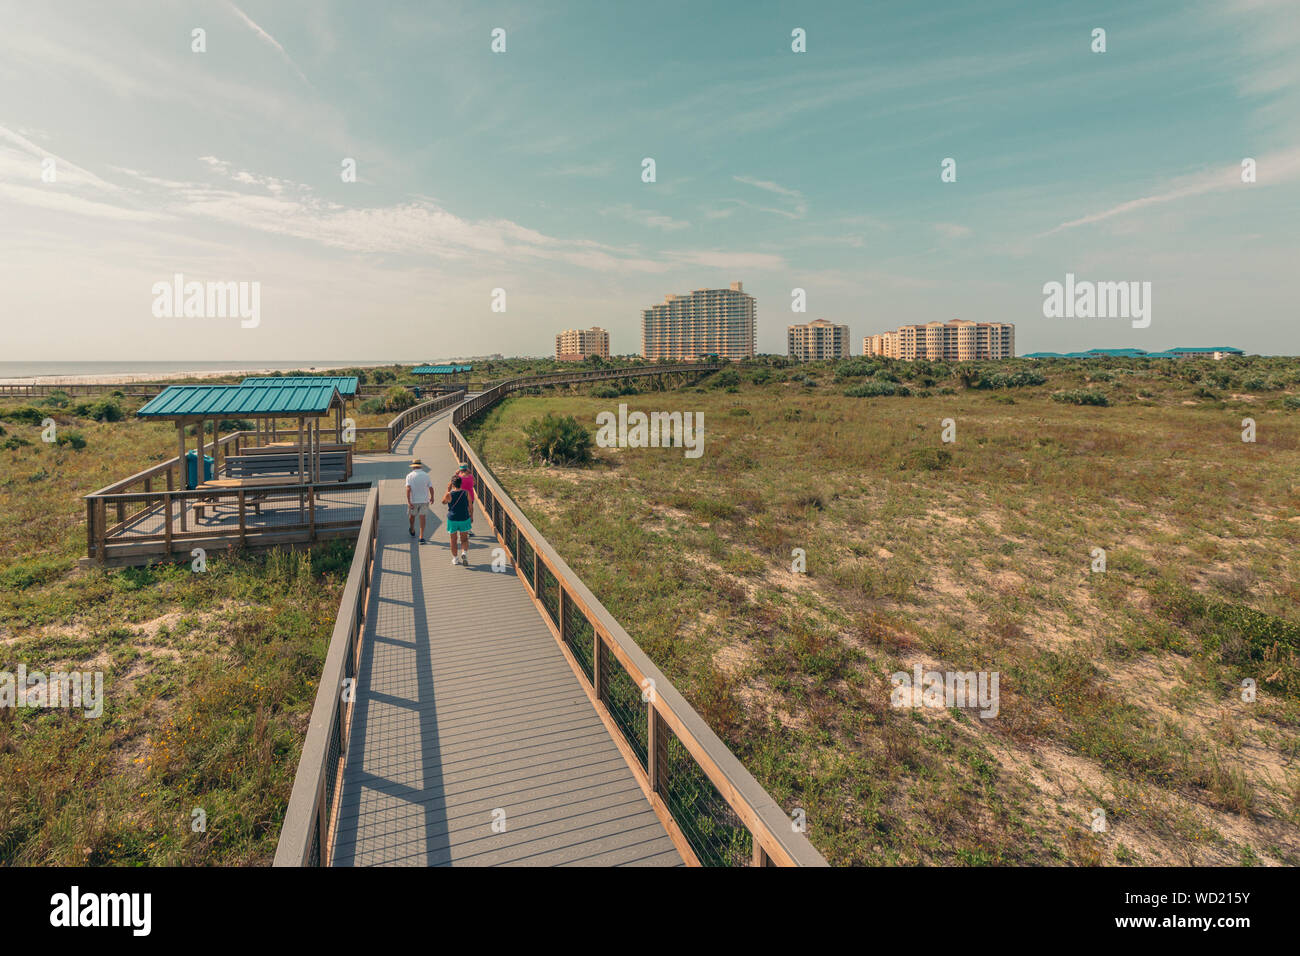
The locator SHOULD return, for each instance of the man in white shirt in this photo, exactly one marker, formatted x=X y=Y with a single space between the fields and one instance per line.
x=419 y=488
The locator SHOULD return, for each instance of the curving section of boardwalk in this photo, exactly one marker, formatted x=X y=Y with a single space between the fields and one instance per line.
x=472 y=742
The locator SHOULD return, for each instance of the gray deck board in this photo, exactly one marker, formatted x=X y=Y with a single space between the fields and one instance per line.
x=465 y=705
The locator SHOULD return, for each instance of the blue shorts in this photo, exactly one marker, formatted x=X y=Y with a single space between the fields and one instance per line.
x=460 y=526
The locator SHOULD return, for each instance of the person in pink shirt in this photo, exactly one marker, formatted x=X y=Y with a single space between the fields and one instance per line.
x=466 y=485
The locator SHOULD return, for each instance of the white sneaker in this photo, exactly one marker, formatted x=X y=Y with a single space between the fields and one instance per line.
x=455 y=561
x=464 y=559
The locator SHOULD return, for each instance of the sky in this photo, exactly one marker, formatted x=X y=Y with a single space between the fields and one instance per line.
x=522 y=170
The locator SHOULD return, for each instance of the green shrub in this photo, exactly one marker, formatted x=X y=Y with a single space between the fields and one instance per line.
x=24 y=415
x=57 y=399
x=75 y=439
x=556 y=440
x=104 y=410
x=398 y=398
x=727 y=377
x=1081 y=397
x=605 y=391
x=1291 y=401
x=875 y=389
x=926 y=459
x=857 y=368
x=373 y=406
x=13 y=441
x=1020 y=379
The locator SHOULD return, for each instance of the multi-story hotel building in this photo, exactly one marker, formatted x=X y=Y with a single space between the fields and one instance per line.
x=955 y=341
x=722 y=322
x=818 y=340
x=574 y=345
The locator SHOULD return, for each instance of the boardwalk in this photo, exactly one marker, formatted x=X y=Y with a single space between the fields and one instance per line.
x=466 y=709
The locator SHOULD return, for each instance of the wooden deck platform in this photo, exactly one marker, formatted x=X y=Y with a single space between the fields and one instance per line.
x=472 y=742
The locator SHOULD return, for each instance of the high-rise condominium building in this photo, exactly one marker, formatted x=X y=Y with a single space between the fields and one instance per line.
x=574 y=345
x=818 y=340
x=955 y=341
x=722 y=322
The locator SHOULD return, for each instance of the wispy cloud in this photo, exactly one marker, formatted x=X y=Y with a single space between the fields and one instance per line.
x=952 y=230
x=725 y=259
x=645 y=217
x=1272 y=168
x=270 y=40
x=796 y=198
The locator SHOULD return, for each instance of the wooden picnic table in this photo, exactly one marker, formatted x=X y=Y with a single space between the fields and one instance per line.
x=234 y=484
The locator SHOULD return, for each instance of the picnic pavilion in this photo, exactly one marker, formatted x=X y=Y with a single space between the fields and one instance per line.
x=443 y=375
x=346 y=384
x=308 y=400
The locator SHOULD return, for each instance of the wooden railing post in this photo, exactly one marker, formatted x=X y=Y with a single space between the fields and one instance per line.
x=100 y=529
x=90 y=528
x=167 y=521
x=311 y=509
x=243 y=534
x=656 y=750
x=600 y=668
x=562 y=605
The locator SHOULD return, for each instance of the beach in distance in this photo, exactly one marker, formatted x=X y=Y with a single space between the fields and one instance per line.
x=93 y=373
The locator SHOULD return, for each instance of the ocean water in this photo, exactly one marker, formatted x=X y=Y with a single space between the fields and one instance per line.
x=19 y=372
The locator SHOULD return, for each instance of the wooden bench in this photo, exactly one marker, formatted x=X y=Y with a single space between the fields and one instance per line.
x=291 y=448
x=333 y=466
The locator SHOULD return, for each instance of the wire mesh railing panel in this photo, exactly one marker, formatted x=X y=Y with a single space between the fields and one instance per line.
x=623 y=698
x=548 y=592
x=508 y=536
x=524 y=559
x=710 y=826
x=580 y=636
x=333 y=759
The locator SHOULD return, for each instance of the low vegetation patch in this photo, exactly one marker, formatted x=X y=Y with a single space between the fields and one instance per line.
x=1120 y=689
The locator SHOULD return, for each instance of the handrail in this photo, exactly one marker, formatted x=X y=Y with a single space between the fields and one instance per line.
x=308 y=820
x=165 y=466
x=418 y=413
x=773 y=837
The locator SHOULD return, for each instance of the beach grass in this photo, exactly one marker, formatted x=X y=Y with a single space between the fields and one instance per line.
x=1121 y=690
x=209 y=677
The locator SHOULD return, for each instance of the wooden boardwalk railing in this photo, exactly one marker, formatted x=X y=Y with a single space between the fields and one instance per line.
x=315 y=788
x=715 y=811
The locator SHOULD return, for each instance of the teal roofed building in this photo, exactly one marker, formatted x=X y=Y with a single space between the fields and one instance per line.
x=346 y=384
x=1216 y=352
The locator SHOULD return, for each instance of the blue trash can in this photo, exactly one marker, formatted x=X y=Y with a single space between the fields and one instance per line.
x=192 y=469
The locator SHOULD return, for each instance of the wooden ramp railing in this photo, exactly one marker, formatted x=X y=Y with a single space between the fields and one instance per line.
x=310 y=814
x=715 y=811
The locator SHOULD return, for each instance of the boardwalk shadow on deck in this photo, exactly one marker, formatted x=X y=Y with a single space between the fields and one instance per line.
x=430 y=797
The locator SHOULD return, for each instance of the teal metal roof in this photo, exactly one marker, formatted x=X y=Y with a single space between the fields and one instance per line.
x=346 y=384
x=1220 y=348
x=211 y=401
x=1042 y=355
x=1119 y=352
x=442 y=369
